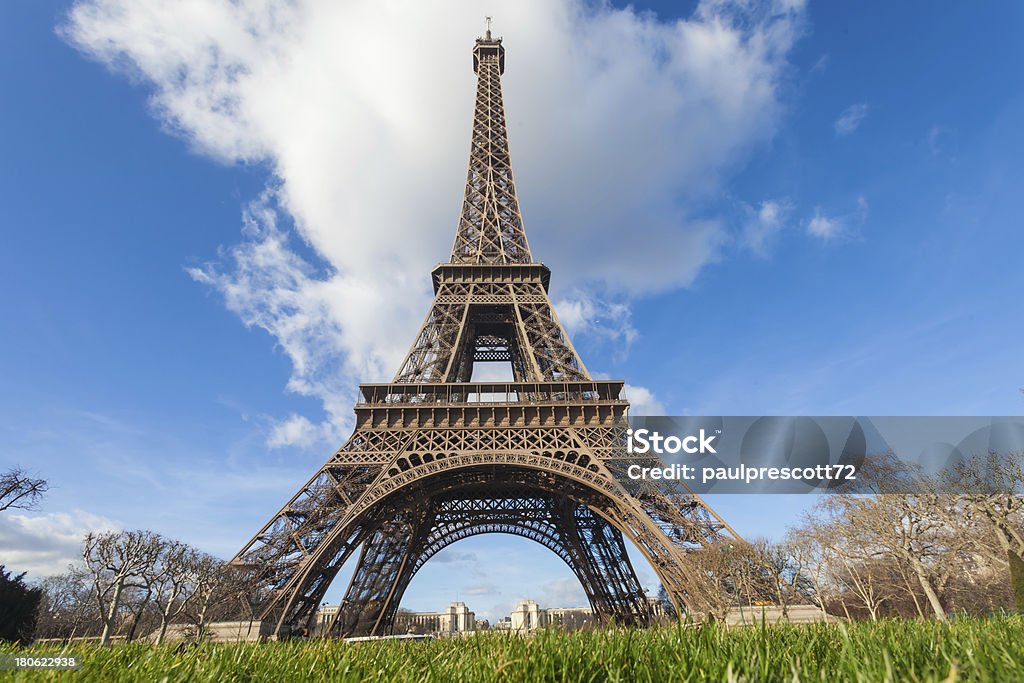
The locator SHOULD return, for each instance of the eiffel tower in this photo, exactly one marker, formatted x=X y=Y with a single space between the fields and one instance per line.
x=436 y=458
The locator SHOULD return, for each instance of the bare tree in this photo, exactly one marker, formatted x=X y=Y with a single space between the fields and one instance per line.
x=782 y=572
x=116 y=562
x=173 y=583
x=734 y=575
x=992 y=487
x=924 y=533
x=19 y=490
x=814 y=554
x=715 y=564
x=137 y=582
x=67 y=610
x=871 y=581
x=213 y=584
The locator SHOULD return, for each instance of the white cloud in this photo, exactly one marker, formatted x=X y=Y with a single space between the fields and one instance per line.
x=362 y=110
x=43 y=545
x=563 y=592
x=851 y=118
x=642 y=401
x=825 y=228
x=583 y=313
x=297 y=430
x=761 y=226
x=838 y=228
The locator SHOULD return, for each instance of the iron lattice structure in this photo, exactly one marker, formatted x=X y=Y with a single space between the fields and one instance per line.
x=436 y=458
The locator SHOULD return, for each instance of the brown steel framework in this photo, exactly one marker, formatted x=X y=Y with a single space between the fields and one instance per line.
x=436 y=458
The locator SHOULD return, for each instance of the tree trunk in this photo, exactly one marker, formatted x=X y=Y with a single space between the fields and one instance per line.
x=910 y=590
x=929 y=592
x=163 y=630
x=1017 y=579
x=821 y=602
x=108 y=621
x=165 y=620
x=138 y=616
x=202 y=620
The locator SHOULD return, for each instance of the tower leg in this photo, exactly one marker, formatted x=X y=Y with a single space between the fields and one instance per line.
x=618 y=596
x=374 y=584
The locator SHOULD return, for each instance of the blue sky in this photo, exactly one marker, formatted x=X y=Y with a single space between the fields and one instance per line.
x=781 y=210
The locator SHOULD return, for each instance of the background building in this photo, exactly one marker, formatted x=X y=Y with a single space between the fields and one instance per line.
x=456 y=619
x=528 y=616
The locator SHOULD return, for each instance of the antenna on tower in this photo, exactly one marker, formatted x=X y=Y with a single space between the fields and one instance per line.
x=488 y=20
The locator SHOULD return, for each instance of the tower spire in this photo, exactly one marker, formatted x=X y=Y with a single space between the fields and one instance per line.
x=490 y=224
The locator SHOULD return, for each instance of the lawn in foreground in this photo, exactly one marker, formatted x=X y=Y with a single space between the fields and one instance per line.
x=892 y=650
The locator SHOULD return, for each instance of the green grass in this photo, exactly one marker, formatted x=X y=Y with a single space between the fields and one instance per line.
x=965 y=650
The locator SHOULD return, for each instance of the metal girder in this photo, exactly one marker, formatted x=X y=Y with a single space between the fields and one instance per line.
x=522 y=318
x=490 y=225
